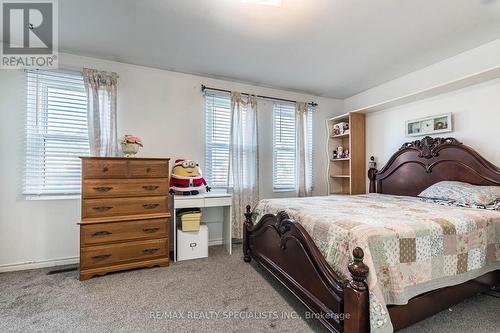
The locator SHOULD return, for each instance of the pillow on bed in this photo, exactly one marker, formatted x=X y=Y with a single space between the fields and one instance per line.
x=493 y=206
x=463 y=193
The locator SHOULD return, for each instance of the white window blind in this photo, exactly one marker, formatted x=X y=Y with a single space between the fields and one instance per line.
x=56 y=132
x=284 y=163
x=284 y=146
x=217 y=138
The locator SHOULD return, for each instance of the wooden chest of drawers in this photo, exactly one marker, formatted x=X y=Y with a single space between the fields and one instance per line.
x=125 y=214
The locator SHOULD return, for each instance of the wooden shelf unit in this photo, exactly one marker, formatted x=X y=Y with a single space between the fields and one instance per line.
x=347 y=175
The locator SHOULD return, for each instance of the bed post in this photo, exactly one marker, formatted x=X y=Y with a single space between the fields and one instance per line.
x=372 y=172
x=356 y=302
x=246 y=226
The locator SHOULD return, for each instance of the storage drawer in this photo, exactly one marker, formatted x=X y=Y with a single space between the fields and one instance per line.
x=192 y=244
x=106 y=255
x=92 y=208
x=154 y=169
x=98 y=188
x=104 y=168
x=188 y=201
x=218 y=201
x=92 y=234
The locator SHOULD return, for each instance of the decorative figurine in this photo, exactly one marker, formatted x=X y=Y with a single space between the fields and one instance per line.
x=340 y=152
x=186 y=178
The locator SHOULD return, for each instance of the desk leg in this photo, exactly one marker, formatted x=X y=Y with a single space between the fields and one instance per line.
x=226 y=228
x=174 y=236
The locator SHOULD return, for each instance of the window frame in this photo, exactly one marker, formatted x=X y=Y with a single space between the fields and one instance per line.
x=38 y=133
x=210 y=145
x=292 y=148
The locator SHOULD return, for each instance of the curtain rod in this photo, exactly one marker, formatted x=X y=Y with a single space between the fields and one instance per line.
x=204 y=87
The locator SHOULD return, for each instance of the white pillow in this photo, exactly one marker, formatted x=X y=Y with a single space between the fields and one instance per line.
x=463 y=193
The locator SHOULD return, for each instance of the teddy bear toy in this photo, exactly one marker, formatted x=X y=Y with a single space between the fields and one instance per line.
x=186 y=178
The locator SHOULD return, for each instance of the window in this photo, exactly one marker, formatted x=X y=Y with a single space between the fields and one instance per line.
x=56 y=132
x=217 y=138
x=284 y=146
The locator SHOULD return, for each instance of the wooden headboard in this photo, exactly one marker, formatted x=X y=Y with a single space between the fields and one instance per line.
x=419 y=164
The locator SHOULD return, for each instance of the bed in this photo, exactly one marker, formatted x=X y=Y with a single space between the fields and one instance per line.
x=399 y=273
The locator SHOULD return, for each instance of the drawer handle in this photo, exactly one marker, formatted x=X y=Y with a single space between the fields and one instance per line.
x=150 y=187
x=150 y=230
x=101 y=233
x=148 y=170
x=102 y=256
x=105 y=169
x=102 y=208
x=150 y=251
x=103 y=188
x=150 y=206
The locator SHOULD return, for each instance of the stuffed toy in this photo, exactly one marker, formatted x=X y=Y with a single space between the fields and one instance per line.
x=186 y=178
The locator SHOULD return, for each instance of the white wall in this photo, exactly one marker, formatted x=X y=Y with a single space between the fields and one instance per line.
x=476 y=121
x=164 y=108
x=453 y=69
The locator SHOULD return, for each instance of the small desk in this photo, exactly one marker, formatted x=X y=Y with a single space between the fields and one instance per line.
x=204 y=200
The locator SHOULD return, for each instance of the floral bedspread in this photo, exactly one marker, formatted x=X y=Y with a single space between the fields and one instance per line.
x=411 y=246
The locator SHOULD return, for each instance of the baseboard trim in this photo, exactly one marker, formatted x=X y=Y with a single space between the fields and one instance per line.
x=22 y=266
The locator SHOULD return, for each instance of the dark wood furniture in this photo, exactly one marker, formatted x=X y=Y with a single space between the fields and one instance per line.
x=125 y=214
x=286 y=250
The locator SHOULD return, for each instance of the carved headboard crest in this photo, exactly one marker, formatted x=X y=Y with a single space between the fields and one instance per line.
x=428 y=147
x=422 y=163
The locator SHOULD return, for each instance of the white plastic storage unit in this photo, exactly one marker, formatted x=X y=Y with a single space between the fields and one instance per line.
x=192 y=244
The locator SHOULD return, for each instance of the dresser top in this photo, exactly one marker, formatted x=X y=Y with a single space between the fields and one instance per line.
x=124 y=158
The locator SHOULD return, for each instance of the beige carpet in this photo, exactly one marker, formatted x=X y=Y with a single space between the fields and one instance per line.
x=217 y=294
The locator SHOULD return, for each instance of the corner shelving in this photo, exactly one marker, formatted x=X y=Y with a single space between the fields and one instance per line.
x=347 y=175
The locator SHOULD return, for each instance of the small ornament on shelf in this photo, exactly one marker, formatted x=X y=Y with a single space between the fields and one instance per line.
x=340 y=152
x=340 y=128
x=371 y=163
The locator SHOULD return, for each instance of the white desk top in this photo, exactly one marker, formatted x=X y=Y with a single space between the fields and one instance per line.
x=203 y=196
x=211 y=199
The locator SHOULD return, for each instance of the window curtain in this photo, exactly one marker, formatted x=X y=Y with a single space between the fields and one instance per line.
x=101 y=111
x=303 y=150
x=243 y=158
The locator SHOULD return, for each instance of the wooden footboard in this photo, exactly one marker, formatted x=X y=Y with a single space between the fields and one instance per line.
x=285 y=249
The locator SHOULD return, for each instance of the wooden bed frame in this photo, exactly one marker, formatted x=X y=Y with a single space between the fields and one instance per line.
x=286 y=250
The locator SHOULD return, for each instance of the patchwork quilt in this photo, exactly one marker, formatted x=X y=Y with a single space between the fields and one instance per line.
x=411 y=246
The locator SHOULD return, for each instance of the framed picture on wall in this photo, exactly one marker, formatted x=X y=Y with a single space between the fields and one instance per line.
x=429 y=125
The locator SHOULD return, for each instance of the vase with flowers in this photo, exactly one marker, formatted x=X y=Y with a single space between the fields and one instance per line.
x=130 y=145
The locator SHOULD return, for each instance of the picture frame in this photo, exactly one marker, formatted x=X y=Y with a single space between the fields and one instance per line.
x=429 y=125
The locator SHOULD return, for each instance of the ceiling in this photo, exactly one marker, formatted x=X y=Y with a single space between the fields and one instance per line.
x=332 y=48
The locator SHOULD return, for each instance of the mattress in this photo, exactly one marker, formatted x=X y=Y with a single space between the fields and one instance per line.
x=411 y=246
